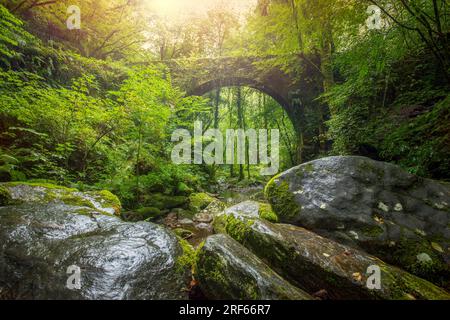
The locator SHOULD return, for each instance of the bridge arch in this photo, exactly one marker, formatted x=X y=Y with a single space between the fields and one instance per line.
x=218 y=83
x=293 y=91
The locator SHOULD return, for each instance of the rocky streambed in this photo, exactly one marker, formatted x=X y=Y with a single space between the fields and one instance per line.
x=334 y=228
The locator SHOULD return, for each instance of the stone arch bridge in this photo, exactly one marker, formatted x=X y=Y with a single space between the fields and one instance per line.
x=293 y=91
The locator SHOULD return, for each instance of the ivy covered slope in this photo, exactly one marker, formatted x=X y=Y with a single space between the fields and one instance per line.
x=79 y=121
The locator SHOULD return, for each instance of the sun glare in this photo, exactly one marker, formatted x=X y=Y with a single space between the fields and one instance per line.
x=173 y=8
x=167 y=7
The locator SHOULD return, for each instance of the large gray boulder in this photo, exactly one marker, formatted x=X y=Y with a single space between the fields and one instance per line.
x=376 y=206
x=227 y=270
x=40 y=242
x=322 y=266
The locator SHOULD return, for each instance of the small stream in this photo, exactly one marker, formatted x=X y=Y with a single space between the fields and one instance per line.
x=202 y=229
x=233 y=196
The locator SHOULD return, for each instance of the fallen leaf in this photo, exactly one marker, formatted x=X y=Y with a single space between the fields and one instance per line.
x=380 y=220
x=357 y=276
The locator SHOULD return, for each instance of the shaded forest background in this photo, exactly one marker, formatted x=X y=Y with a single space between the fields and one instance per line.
x=95 y=107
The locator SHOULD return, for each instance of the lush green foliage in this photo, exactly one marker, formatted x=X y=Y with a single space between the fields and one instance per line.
x=88 y=107
x=382 y=86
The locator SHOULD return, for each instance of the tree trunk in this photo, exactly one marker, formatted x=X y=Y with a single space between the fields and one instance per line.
x=241 y=126
x=230 y=110
x=138 y=159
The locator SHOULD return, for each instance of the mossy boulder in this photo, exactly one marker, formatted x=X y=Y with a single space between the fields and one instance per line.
x=228 y=271
x=373 y=205
x=118 y=260
x=164 y=202
x=37 y=192
x=199 y=201
x=5 y=197
x=314 y=263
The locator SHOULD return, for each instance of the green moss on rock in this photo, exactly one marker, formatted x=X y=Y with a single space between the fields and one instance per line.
x=199 y=201
x=85 y=212
x=210 y=270
x=405 y=286
x=227 y=270
x=266 y=213
x=71 y=200
x=408 y=252
x=5 y=197
x=109 y=199
x=282 y=199
x=235 y=227
x=45 y=185
x=44 y=192
x=188 y=260
x=163 y=202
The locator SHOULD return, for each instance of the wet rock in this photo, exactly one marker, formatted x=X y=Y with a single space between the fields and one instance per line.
x=207 y=214
x=248 y=209
x=203 y=217
x=205 y=226
x=103 y=201
x=117 y=260
x=253 y=209
x=186 y=222
x=215 y=207
x=227 y=270
x=233 y=195
x=314 y=263
x=372 y=205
